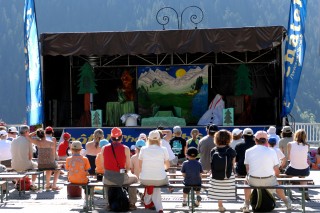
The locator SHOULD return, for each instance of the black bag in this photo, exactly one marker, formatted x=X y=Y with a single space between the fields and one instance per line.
x=118 y=199
x=221 y=167
x=262 y=200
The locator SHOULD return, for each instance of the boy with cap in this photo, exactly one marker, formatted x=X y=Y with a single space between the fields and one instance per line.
x=78 y=167
x=272 y=141
x=191 y=171
x=63 y=147
x=178 y=144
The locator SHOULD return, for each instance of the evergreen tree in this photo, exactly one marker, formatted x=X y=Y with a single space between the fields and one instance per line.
x=243 y=84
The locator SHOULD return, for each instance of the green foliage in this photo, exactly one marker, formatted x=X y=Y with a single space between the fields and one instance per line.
x=199 y=83
x=243 y=81
x=86 y=81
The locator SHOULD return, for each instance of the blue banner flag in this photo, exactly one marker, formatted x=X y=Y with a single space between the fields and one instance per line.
x=294 y=53
x=32 y=66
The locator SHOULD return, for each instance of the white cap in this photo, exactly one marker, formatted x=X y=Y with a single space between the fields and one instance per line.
x=236 y=131
x=176 y=129
x=271 y=130
x=13 y=129
x=3 y=133
x=247 y=131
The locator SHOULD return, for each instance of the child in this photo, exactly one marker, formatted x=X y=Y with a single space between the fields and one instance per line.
x=134 y=162
x=99 y=161
x=78 y=167
x=63 y=147
x=272 y=141
x=191 y=171
x=193 y=141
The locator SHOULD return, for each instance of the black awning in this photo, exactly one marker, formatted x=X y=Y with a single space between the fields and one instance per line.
x=158 y=42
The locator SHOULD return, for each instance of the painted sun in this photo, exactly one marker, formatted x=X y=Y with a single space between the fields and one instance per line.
x=180 y=72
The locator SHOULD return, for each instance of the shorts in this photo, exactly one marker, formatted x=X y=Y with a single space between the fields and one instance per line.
x=186 y=190
x=271 y=181
x=297 y=172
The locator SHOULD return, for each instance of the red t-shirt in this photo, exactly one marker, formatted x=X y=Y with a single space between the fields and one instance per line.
x=110 y=163
x=62 y=150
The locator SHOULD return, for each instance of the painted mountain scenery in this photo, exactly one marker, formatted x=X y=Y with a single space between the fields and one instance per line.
x=168 y=87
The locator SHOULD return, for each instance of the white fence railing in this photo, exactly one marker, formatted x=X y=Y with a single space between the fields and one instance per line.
x=312 y=130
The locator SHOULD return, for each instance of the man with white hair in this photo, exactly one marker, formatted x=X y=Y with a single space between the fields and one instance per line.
x=12 y=133
x=22 y=153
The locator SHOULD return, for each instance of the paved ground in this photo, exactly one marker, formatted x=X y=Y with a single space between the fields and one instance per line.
x=56 y=201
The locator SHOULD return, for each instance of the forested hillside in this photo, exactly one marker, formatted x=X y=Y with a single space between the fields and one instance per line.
x=114 y=15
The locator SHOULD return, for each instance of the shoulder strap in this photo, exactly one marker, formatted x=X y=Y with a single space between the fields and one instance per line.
x=114 y=154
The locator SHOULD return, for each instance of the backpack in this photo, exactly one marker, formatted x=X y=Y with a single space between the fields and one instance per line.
x=262 y=200
x=25 y=184
x=118 y=199
x=220 y=165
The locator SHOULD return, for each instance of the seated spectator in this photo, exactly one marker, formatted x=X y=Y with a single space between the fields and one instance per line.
x=5 y=149
x=64 y=146
x=191 y=171
x=92 y=149
x=46 y=158
x=282 y=159
x=12 y=133
x=316 y=164
x=78 y=167
x=272 y=132
x=193 y=141
x=99 y=165
x=236 y=137
x=153 y=161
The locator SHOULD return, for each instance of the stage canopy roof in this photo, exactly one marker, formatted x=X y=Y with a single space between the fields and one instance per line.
x=166 y=41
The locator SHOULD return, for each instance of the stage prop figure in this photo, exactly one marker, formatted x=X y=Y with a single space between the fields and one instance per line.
x=214 y=114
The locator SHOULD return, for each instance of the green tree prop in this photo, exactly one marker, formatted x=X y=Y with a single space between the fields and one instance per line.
x=243 y=84
x=96 y=119
x=87 y=85
x=228 y=118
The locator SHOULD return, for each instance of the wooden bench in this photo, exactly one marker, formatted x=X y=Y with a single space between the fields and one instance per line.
x=11 y=176
x=303 y=187
x=138 y=185
x=29 y=172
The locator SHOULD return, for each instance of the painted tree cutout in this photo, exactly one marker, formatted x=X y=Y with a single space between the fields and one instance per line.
x=243 y=83
x=228 y=118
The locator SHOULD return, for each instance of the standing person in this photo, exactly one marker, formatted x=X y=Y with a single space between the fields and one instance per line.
x=286 y=137
x=5 y=149
x=191 y=171
x=236 y=137
x=298 y=155
x=178 y=144
x=116 y=162
x=77 y=167
x=64 y=146
x=153 y=161
x=206 y=144
x=193 y=141
x=12 y=133
x=22 y=153
x=92 y=149
x=46 y=158
x=241 y=150
x=223 y=180
x=262 y=172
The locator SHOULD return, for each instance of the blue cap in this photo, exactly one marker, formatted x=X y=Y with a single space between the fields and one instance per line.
x=272 y=140
x=140 y=143
x=103 y=142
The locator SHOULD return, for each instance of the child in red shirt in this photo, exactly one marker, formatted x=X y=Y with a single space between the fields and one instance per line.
x=64 y=147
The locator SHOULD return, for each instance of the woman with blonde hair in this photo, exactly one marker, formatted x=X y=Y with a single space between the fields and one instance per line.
x=93 y=148
x=298 y=156
x=153 y=161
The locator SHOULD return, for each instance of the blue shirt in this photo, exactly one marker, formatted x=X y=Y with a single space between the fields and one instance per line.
x=193 y=170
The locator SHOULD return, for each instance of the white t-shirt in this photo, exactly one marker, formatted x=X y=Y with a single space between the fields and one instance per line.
x=298 y=155
x=279 y=153
x=153 y=158
x=170 y=152
x=5 y=150
x=261 y=161
x=235 y=142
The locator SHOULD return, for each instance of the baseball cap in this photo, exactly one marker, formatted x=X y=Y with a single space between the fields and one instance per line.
x=142 y=136
x=103 y=142
x=272 y=140
x=213 y=128
x=154 y=135
x=66 y=136
x=49 y=129
x=247 y=131
x=116 y=133
x=76 y=145
x=192 y=152
x=12 y=130
x=286 y=129
x=176 y=129
x=236 y=131
x=3 y=132
x=271 y=130
x=132 y=147
x=140 y=143
x=261 y=134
